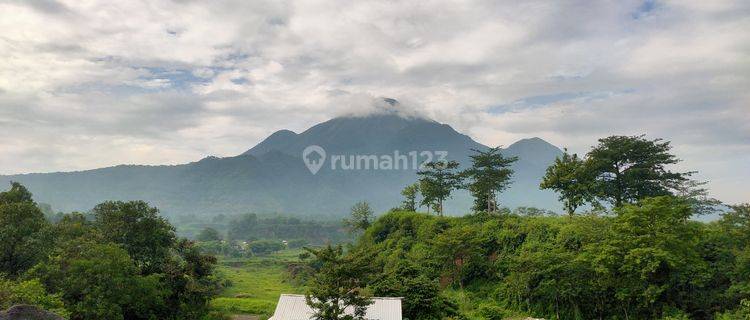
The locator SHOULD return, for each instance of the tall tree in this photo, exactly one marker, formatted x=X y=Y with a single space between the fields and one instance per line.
x=490 y=174
x=735 y=226
x=126 y=264
x=139 y=229
x=630 y=168
x=17 y=194
x=361 y=217
x=567 y=176
x=338 y=285
x=73 y=226
x=209 y=234
x=696 y=194
x=100 y=281
x=191 y=280
x=422 y=298
x=651 y=255
x=410 y=193
x=243 y=227
x=437 y=181
x=736 y=223
x=24 y=235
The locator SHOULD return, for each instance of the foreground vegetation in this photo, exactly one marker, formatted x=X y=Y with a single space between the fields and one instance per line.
x=645 y=261
x=636 y=255
x=121 y=261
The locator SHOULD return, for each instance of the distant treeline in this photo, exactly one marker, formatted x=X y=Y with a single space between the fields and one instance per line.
x=252 y=227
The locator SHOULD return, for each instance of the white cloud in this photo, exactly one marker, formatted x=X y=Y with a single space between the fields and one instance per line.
x=94 y=83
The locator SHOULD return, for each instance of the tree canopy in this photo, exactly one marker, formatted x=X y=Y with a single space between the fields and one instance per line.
x=338 y=284
x=489 y=175
x=626 y=169
x=209 y=234
x=436 y=182
x=622 y=170
x=24 y=232
x=123 y=261
x=568 y=177
x=361 y=217
x=138 y=228
x=410 y=194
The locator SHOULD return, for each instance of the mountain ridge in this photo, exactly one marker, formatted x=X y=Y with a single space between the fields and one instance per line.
x=270 y=176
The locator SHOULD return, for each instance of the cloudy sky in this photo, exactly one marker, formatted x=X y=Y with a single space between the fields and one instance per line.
x=87 y=84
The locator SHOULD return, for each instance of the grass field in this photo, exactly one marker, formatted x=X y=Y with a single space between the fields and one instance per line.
x=256 y=283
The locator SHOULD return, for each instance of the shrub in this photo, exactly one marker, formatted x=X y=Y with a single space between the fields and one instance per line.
x=29 y=292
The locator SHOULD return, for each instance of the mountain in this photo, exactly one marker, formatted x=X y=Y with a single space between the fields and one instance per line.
x=374 y=134
x=272 y=176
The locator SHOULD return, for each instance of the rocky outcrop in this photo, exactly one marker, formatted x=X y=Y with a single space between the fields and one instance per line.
x=26 y=312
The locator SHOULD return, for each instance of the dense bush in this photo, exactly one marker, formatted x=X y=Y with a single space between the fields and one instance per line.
x=24 y=232
x=123 y=261
x=264 y=247
x=209 y=234
x=643 y=261
x=29 y=292
x=297 y=243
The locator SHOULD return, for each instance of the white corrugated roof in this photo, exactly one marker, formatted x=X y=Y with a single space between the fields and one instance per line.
x=294 y=307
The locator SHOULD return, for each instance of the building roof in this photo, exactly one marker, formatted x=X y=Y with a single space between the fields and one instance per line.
x=294 y=307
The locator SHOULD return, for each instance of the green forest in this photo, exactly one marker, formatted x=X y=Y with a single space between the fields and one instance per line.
x=627 y=246
x=644 y=261
x=634 y=253
x=121 y=261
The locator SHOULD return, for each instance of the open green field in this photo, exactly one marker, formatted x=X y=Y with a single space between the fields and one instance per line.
x=256 y=283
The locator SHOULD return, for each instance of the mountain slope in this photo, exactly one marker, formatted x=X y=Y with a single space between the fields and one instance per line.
x=271 y=176
x=376 y=134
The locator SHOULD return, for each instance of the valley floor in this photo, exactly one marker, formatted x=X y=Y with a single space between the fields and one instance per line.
x=256 y=284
